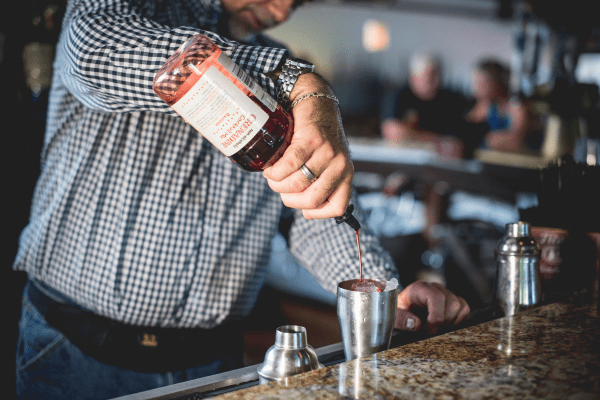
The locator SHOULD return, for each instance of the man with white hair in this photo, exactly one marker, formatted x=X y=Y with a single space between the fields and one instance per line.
x=425 y=112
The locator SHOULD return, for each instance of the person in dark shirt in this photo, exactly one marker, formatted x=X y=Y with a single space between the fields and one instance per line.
x=427 y=113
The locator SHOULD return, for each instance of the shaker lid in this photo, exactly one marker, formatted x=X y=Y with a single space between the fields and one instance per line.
x=518 y=240
x=290 y=355
x=518 y=229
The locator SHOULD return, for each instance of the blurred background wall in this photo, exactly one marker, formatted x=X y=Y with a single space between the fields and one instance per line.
x=333 y=37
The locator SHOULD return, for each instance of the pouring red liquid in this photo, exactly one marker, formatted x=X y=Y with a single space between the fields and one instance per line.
x=359 y=254
x=365 y=285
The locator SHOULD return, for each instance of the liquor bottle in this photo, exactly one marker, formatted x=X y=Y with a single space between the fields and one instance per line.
x=222 y=102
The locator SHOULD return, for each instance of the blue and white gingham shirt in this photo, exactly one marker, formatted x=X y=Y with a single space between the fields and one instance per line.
x=135 y=216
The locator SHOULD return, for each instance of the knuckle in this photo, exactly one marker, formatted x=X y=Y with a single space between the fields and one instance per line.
x=272 y=185
x=455 y=306
x=317 y=141
x=307 y=215
x=339 y=209
x=438 y=296
x=328 y=152
x=422 y=285
x=297 y=186
x=297 y=154
x=313 y=203
x=292 y=161
x=466 y=309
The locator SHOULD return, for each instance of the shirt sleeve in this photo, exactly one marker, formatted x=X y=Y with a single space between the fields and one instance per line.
x=329 y=250
x=108 y=55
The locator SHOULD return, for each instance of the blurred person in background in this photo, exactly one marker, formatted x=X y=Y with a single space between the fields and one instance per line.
x=426 y=112
x=508 y=121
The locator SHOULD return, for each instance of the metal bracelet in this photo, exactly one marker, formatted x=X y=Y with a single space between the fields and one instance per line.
x=314 y=94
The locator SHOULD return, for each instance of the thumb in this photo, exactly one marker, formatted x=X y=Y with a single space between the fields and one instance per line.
x=407 y=321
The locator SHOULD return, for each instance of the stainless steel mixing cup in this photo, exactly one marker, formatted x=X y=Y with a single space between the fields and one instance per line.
x=517 y=286
x=366 y=319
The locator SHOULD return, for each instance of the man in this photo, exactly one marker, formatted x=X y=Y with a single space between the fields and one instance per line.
x=427 y=113
x=146 y=246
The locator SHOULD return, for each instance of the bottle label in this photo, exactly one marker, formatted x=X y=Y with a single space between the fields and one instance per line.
x=219 y=107
x=248 y=82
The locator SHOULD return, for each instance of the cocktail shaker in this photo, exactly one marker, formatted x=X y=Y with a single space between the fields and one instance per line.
x=290 y=355
x=517 y=284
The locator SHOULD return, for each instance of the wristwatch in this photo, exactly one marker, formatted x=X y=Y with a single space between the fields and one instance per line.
x=290 y=71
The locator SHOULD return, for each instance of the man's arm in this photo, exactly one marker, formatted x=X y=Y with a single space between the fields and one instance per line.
x=109 y=54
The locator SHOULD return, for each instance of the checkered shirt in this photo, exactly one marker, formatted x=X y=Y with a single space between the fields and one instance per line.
x=135 y=215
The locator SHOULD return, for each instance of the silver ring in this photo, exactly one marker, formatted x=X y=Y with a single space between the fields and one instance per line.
x=308 y=173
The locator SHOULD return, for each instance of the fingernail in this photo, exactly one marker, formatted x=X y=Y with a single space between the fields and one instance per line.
x=410 y=323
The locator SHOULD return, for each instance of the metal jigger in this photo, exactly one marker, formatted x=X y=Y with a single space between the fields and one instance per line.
x=517 y=283
x=290 y=355
x=366 y=319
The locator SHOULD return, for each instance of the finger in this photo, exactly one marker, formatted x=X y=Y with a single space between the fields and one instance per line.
x=464 y=312
x=452 y=304
x=334 y=184
x=290 y=162
x=426 y=295
x=407 y=321
x=313 y=197
x=456 y=308
x=306 y=140
x=327 y=165
x=335 y=205
x=295 y=183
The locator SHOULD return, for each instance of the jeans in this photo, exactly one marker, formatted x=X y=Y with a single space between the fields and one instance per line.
x=49 y=366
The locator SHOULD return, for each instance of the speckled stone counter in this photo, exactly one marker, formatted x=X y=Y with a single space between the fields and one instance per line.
x=551 y=352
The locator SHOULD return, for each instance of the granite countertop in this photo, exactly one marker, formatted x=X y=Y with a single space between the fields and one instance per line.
x=551 y=352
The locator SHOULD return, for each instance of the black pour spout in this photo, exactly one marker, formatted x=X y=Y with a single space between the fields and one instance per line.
x=349 y=218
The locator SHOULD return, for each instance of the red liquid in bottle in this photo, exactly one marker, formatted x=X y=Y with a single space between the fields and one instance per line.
x=224 y=104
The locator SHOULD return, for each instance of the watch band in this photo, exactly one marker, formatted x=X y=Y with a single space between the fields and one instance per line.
x=291 y=70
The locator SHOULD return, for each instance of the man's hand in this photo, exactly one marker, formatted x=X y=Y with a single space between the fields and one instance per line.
x=401 y=131
x=448 y=147
x=320 y=144
x=443 y=306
